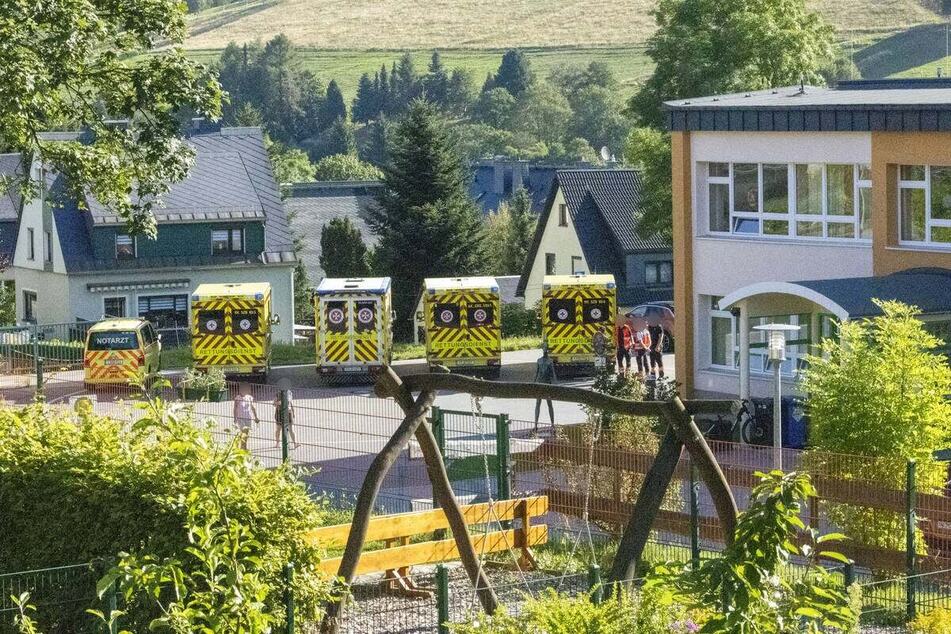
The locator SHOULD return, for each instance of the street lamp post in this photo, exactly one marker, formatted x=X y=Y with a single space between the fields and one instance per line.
x=777 y=354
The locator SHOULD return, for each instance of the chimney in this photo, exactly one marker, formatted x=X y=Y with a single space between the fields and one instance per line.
x=498 y=175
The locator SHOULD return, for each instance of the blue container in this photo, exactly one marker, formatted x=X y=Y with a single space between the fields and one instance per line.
x=795 y=423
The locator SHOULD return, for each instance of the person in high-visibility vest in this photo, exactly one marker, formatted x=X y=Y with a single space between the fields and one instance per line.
x=623 y=337
x=642 y=346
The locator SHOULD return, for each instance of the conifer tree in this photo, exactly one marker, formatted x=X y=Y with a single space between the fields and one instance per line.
x=515 y=73
x=334 y=106
x=521 y=231
x=427 y=224
x=364 y=104
x=436 y=82
x=342 y=250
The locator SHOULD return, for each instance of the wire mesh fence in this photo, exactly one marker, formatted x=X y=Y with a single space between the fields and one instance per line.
x=61 y=597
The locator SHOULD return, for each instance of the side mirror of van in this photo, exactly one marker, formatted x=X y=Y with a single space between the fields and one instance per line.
x=275 y=320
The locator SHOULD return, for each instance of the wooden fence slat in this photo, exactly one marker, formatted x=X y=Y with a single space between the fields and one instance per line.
x=408 y=524
x=439 y=551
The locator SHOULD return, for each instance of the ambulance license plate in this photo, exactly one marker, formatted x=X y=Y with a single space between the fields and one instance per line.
x=114 y=362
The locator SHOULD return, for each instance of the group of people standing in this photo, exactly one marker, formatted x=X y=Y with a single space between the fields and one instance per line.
x=645 y=345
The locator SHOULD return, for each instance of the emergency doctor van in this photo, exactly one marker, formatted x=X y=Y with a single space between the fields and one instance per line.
x=231 y=327
x=463 y=322
x=574 y=308
x=119 y=351
x=354 y=319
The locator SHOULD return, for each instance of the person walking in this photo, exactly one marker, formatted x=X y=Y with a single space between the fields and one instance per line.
x=623 y=338
x=245 y=415
x=642 y=346
x=281 y=418
x=545 y=373
x=657 y=336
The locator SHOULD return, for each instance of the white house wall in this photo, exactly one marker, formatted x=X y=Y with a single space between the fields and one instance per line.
x=89 y=305
x=563 y=242
x=722 y=265
x=52 y=295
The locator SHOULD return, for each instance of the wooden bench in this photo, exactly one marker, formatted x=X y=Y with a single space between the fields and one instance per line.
x=398 y=555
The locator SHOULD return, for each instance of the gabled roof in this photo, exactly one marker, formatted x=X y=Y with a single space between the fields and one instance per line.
x=312 y=205
x=604 y=206
x=535 y=178
x=11 y=174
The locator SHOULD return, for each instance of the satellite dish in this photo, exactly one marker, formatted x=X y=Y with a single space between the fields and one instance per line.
x=605 y=153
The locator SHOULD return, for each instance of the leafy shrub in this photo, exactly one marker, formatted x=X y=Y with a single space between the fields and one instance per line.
x=879 y=392
x=213 y=380
x=518 y=321
x=742 y=591
x=553 y=613
x=163 y=491
x=938 y=621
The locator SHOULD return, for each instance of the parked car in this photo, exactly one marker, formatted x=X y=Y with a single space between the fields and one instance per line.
x=655 y=313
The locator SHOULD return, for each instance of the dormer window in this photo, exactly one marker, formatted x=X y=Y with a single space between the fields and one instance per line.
x=227 y=241
x=125 y=247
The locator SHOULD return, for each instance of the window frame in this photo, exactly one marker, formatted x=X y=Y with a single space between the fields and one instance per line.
x=562 y=215
x=791 y=216
x=925 y=185
x=658 y=267
x=794 y=358
x=31 y=245
x=132 y=241
x=552 y=260
x=230 y=248
x=48 y=246
x=125 y=306
x=30 y=298
x=577 y=260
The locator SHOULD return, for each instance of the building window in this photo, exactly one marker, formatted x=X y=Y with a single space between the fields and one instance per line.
x=924 y=204
x=225 y=241
x=577 y=265
x=113 y=307
x=562 y=215
x=30 y=245
x=49 y=246
x=725 y=341
x=549 y=264
x=125 y=246
x=29 y=306
x=659 y=273
x=164 y=311
x=829 y=201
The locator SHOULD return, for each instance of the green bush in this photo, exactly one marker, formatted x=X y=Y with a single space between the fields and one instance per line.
x=518 y=321
x=76 y=487
x=938 y=621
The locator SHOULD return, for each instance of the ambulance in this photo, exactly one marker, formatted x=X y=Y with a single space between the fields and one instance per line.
x=463 y=324
x=573 y=309
x=354 y=320
x=231 y=328
x=119 y=351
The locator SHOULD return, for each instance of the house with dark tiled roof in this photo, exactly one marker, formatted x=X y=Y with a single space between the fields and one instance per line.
x=589 y=226
x=225 y=223
x=11 y=204
x=310 y=206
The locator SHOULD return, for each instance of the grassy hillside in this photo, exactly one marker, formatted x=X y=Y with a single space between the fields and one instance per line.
x=490 y=24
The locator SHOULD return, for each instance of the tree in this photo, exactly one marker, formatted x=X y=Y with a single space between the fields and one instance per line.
x=495 y=107
x=707 y=47
x=515 y=73
x=345 y=167
x=291 y=165
x=436 y=82
x=649 y=149
x=334 y=107
x=542 y=112
x=879 y=391
x=426 y=222
x=365 y=105
x=85 y=64
x=374 y=150
x=406 y=84
x=342 y=250
x=597 y=117
x=495 y=233
x=571 y=79
x=339 y=138
x=521 y=231
x=460 y=93
x=276 y=88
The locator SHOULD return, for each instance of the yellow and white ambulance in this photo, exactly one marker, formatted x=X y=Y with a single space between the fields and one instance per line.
x=354 y=326
x=463 y=322
x=119 y=351
x=231 y=327
x=574 y=308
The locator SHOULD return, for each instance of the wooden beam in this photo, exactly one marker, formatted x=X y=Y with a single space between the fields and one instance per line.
x=439 y=551
x=398 y=525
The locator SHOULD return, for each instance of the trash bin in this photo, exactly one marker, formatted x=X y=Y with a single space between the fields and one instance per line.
x=795 y=423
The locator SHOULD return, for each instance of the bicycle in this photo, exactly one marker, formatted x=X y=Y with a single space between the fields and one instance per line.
x=753 y=430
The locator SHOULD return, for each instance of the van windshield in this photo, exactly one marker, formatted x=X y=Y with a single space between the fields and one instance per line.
x=118 y=340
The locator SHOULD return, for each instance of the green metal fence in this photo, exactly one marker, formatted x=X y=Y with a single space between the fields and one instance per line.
x=61 y=597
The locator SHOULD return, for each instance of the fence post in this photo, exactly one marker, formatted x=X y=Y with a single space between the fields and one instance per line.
x=289 y=596
x=439 y=429
x=694 y=516
x=39 y=376
x=848 y=574
x=284 y=419
x=595 y=587
x=110 y=608
x=910 y=525
x=502 y=453
x=442 y=598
